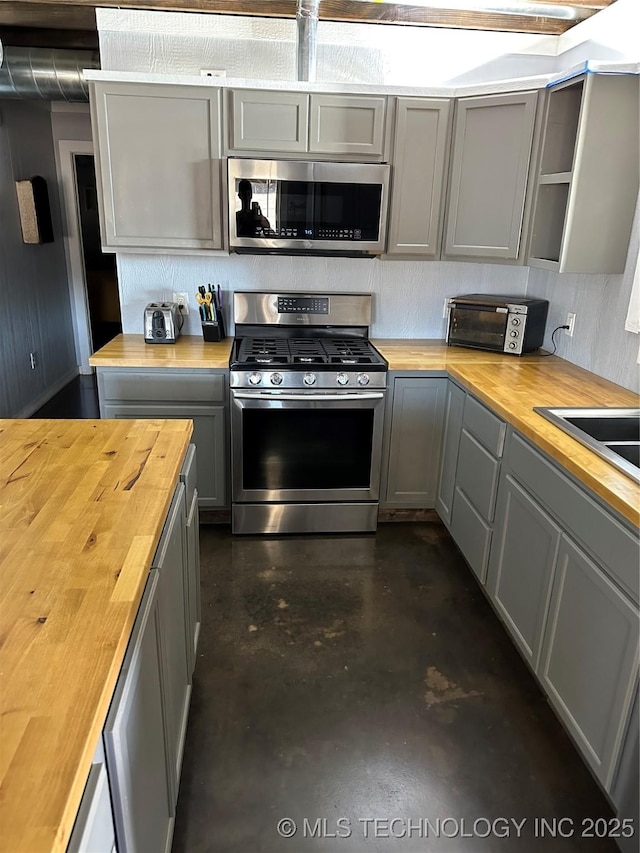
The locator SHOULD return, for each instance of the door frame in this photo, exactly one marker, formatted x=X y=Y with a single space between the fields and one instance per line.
x=67 y=149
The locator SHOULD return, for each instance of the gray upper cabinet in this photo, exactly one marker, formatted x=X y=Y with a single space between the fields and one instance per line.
x=521 y=566
x=268 y=121
x=492 y=144
x=587 y=176
x=159 y=172
x=347 y=124
x=452 y=429
x=414 y=441
x=589 y=663
x=262 y=123
x=134 y=738
x=420 y=150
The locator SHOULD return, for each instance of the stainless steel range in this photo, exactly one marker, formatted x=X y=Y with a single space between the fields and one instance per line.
x=307 y=411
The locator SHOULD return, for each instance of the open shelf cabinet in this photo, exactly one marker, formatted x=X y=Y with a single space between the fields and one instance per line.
x=587 y=175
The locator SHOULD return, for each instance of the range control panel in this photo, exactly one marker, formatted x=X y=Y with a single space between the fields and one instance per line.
x=303 y=305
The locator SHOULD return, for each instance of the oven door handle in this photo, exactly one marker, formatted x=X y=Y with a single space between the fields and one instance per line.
x=306 y=398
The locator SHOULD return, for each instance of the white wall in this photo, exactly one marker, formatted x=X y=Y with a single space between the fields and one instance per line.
x=265 y=49
x=600 y=302
x=408 y=295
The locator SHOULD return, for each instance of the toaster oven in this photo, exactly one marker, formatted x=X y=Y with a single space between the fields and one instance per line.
x=510 y=324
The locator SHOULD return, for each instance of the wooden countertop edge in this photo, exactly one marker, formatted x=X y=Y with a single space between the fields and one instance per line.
x=138 y=561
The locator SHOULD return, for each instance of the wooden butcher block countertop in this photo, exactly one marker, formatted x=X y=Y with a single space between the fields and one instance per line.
x=188 y=351
x=512 y=386
x=82 y=505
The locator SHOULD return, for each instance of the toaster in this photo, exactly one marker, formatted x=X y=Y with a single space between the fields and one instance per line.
x=162 y=323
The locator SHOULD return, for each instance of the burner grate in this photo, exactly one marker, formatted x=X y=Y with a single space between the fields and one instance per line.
x=311 y=351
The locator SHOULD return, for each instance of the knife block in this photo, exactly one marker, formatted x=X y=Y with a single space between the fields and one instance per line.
x=212 y=331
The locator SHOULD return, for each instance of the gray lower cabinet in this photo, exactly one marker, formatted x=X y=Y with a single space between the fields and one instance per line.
x=626 y=787
x=589 y=663
x=521 y=566
x=420 y=155
x=93 y=830
x=208 y=436
x=198 y=395
x=414 y=442
x=193 y=579
x=492 y=145
x=158 y=165
x=454 y=406
x=173 y=601
x=134 y=738
x=475 y=478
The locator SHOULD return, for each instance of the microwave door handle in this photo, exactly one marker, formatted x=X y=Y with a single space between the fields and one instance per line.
x=305 y=398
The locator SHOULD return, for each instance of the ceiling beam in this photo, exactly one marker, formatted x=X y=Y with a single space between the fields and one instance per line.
x=79 y=14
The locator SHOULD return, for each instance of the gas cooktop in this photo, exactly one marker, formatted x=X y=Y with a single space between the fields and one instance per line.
x=321 y=353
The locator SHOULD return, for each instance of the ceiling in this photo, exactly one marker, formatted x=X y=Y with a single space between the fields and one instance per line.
x=72 y=24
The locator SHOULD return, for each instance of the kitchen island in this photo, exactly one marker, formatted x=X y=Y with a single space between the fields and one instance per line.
x=82 y=509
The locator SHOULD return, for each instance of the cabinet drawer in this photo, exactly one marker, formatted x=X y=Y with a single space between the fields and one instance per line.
x=471 y=533
x=614 y=546
x=484 y=425
x=159 y=386
x=478 y=474
x=188 y=474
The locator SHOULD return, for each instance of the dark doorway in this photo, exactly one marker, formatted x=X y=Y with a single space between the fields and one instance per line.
x=103 y=299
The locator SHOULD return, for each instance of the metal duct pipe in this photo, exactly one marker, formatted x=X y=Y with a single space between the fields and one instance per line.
x=307 y=20
x=45 y=73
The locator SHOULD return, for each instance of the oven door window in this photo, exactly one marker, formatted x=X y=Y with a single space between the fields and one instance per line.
x=307 y=209
x=306 y=449
x=478 y=327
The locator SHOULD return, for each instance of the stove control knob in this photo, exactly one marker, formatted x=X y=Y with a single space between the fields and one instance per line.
x=513 y=334
x=342 y=378
x=276 y=379
x=363 y=379
x=255 y=378
x=309 y=379
x=512 y=345
x=515 y=322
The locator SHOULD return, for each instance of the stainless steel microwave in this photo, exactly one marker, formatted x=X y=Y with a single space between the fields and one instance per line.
x=510 y=324
x=295 y=207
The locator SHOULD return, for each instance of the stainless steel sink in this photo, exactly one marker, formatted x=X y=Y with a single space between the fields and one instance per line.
x=614 y=434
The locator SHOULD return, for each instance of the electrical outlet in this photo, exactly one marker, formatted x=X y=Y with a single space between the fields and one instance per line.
x=183 y=301
x=212 y=72
x=570 y=322
x=33 y=361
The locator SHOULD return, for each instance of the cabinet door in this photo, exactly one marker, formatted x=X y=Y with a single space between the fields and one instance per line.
x=193 y=579
x=419 y=158
x=345 y=124
x=477 y=475
x=521 y=565
x=173 y=601
x=452 y=429
x=134 y=738
x=93 y=831
x=589 y=660
x=159 y=173
x=491 y=156
x=264 y=121
x=208 y=437
x=416 y=438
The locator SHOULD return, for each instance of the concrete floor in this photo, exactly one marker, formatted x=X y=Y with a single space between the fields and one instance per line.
x=348 y=679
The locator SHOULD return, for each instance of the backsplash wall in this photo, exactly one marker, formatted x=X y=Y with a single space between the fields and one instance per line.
x=600 y=303
x=408 y=296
